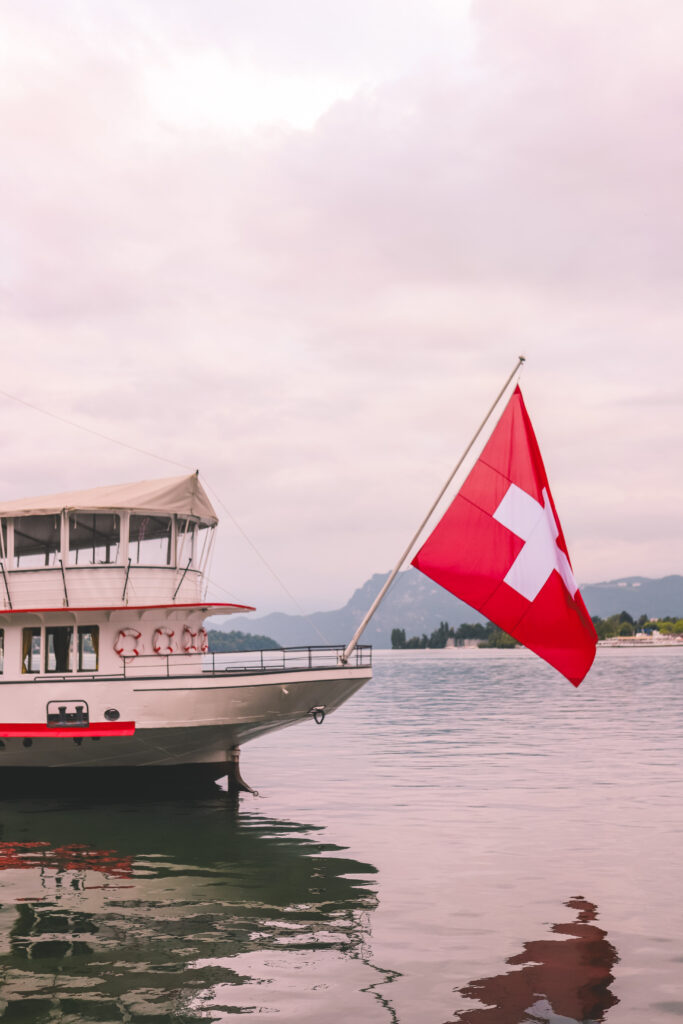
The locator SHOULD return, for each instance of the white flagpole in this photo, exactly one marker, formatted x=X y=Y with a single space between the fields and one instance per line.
x=376 y=603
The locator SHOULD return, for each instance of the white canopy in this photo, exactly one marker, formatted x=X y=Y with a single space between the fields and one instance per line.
x=183 y=495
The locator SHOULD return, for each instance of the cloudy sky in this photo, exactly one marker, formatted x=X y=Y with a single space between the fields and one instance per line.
x=299 y=245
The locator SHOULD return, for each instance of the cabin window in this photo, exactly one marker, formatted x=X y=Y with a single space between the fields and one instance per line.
x=58 y=641
x=88 y=648
x=2 y=650
x=150 y=540
x=94 y=538
x=37 y=541
x=30 y=649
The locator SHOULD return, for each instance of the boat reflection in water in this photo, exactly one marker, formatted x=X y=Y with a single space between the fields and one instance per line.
x=171 y=911
x=562 y=979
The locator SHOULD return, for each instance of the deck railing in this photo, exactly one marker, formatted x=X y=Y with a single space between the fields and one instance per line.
x=283 y=659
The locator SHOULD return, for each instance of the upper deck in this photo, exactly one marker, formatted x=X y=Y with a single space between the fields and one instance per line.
x=130 y=544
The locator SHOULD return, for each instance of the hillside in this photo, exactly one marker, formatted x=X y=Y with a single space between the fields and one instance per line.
x=417 y=605
x=413 y=602
x=636 y=595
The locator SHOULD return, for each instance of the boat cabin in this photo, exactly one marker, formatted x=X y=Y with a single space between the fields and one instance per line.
x=93 y=580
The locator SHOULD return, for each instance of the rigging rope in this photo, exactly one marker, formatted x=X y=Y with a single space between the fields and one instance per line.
x=182 y=465
x=97 y=433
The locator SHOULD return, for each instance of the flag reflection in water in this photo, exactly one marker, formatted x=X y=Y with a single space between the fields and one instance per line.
x=561 y=980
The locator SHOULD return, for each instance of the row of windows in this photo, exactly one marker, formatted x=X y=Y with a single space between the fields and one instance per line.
x=95 y=538
x=57 y=645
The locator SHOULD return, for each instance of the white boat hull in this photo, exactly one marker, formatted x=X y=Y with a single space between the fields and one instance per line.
x=176 y=721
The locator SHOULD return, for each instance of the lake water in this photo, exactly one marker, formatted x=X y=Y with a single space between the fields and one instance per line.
x=469 y=839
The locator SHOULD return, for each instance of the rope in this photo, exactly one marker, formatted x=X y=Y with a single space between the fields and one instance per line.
x=96 y=433
x=269 y=567
x=172 y=462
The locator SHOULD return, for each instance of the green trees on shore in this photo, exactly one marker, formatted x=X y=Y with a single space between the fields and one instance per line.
x=221 y=643
x=624 y=624
x=669 y=625
x=485 y=634
x=489 y=635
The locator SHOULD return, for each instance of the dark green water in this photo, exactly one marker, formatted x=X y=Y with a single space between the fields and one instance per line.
x=469 y=840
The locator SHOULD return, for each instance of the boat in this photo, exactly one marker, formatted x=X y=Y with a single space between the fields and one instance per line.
x=105 y=666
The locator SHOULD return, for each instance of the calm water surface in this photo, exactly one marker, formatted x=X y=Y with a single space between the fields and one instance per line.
x=470 y=840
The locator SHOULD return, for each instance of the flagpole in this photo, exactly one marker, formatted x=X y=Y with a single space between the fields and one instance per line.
x=392 y=576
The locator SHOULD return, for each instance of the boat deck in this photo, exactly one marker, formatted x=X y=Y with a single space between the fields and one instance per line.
x=237 y=663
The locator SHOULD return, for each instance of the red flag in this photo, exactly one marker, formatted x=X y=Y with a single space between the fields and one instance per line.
x=500 y=548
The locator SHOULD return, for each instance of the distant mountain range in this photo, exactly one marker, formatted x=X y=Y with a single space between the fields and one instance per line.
x=417 y=605
x=636 y=595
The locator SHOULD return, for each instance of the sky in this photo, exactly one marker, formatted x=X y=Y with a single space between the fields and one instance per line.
x=299 y=246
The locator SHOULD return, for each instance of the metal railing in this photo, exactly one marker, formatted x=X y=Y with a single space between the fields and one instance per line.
x=283 y=659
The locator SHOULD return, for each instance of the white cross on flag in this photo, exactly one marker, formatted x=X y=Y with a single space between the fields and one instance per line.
x=500 y=548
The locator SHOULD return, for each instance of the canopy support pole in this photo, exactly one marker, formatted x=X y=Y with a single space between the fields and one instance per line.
x=189 y=563
x=125 y=583
x=392 y=576
x=66 y=593
x=4 y=576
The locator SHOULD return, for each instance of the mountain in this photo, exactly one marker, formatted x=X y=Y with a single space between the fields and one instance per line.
x=418 y=605
x=413 y=603
x=636 y=595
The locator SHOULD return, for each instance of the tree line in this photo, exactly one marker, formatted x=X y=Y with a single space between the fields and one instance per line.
x=624 y=624
x=221 y=643
x=489 y=635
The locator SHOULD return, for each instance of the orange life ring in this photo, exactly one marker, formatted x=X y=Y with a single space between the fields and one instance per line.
x=120 y=645
x=203 y=640
x=190 y=644
x=160 y=632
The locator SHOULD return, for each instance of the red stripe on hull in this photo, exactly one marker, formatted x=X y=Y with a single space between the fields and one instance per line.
x=34 y=730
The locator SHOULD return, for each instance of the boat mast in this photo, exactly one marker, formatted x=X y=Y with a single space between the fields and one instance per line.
x=392 y=576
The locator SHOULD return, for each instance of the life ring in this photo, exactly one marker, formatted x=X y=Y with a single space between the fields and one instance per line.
x=169 y=646
x=120 y=642
x=190 y=643
x=203 y=640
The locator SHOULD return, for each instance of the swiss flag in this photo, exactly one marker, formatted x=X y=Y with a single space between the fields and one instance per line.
x=500 y=548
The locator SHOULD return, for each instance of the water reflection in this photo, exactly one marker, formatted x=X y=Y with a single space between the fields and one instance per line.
x=167 y=912
x=562 y=981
